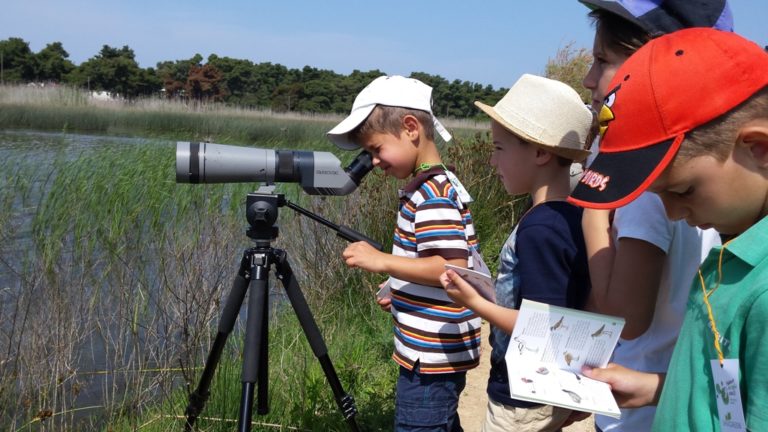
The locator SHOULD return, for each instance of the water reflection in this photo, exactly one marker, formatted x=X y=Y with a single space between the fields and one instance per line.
x=100 y=309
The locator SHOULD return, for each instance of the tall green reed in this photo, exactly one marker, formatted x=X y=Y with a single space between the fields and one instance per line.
x=58 y=108
x=359 y=339
x=129 y=264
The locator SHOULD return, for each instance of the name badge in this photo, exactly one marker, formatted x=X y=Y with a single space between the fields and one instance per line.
x=464 y=197
x=728 y=395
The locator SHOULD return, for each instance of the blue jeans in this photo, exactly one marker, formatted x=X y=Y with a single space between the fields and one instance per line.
x=428 y=402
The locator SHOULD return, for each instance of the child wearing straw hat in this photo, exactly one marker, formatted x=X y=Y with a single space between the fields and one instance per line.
x=539 y=128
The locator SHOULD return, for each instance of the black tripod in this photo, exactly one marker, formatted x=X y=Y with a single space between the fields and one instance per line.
x=261 y=213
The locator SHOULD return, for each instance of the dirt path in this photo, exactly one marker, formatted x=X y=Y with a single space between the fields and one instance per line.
x=472 y=404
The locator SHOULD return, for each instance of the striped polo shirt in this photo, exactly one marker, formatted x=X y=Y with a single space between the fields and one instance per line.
x=429 y=327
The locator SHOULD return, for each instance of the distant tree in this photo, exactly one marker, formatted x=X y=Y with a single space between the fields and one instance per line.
x=441 y=95
x=149 y=82
x=242 y=82
x=18 y=62
x=275 y=81
x=174 y=74
x=205 y=83
x=570 y=65
x=349 y=86
x=52 y=63
x=317 y=96
x=487 y=95
x=238 y=77
x=309 y=73
x=286 y=97
x=310 y=90
x=456 y=98
x=114 y=70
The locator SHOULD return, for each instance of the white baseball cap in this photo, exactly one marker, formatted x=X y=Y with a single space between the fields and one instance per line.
x=396 y=91
x=545 y=112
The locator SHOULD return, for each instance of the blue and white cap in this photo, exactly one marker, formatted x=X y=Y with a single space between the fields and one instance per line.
x=659 y=17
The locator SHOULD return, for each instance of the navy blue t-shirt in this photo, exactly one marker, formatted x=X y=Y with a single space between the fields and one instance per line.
x=544 y=260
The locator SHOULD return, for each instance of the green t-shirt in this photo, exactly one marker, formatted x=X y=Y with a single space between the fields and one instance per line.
x=740 y=310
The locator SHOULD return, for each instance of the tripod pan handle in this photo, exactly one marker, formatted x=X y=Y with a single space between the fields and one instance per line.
x=351 y=235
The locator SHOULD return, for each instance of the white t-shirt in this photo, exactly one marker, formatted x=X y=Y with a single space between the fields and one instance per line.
x=577 y=170
x=686 y=247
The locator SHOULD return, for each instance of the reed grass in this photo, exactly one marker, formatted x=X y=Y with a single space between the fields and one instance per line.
x=120 y=260
x=57 y=108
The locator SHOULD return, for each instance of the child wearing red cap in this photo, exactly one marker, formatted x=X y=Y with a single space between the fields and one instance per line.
x=641 y=263
x=688 y=114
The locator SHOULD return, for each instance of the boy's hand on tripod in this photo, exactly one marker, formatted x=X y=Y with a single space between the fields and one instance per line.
x=363 y=255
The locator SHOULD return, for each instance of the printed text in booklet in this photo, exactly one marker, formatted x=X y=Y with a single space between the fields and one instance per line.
x=547 y=350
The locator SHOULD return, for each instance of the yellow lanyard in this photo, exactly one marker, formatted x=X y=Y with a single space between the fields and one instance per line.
x=706 y=293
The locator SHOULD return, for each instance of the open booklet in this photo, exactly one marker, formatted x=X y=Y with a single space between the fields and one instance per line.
x=547 y=350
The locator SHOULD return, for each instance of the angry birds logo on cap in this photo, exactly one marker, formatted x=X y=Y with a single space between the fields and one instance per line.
x=606 y=113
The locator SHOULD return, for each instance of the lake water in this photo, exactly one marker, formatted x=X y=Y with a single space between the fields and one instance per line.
x=116 y=323
x=28 y=164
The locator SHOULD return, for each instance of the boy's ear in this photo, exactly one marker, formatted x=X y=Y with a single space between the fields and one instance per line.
x=411 y=126
x=543 y=156
x=754 y=137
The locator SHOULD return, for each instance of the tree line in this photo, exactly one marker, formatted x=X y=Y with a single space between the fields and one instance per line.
x=221 y=79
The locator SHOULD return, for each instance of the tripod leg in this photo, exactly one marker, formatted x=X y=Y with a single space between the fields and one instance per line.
x=262 y=405
x=255 y=341
x=345 y=401
x=198 y=398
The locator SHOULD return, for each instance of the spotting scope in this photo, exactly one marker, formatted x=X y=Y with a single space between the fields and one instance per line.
x=318 y=173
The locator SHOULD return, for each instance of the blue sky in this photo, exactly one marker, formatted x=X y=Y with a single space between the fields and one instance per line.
x=489 y=42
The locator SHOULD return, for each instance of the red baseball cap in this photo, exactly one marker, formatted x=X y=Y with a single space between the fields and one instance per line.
x=670 y=86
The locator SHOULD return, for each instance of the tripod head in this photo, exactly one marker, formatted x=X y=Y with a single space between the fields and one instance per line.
x=261 y=211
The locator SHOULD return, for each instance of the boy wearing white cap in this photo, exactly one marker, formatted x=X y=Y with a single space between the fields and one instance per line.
x=539 y=128
x=436 y=340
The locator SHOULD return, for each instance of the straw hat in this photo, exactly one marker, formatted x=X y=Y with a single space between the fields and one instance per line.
x=544 y=112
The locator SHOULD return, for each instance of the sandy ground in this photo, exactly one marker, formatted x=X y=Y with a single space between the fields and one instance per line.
x=472 y=404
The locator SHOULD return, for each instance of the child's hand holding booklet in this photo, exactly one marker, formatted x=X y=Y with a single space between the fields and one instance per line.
x=481 y=282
